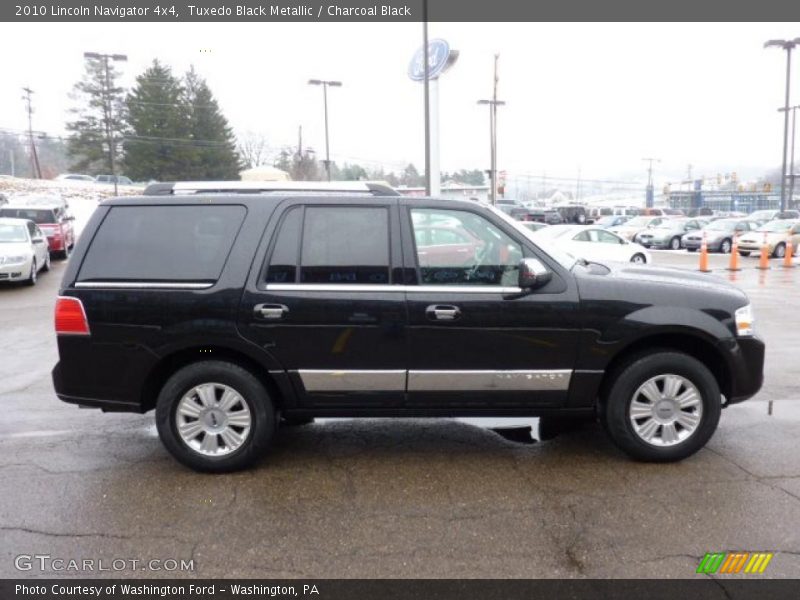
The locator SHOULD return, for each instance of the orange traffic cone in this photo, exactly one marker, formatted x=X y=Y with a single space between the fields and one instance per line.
x=704 y=255
x=734 y=264
x=787 y=258
x=763 y=261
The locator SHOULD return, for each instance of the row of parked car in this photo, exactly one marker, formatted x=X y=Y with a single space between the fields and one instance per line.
x=33 y=228
x=629 y=238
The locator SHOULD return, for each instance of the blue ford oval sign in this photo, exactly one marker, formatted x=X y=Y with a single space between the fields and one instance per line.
x=438 y=55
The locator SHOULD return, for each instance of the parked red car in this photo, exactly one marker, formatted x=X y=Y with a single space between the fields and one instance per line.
x=52 y=220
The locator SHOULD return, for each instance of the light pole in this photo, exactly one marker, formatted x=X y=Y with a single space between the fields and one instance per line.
x=108 y=104
x=787 y=45
x=792 y=175
x=325 y=85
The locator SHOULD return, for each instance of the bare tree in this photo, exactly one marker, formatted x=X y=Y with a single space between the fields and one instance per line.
x=253 y=149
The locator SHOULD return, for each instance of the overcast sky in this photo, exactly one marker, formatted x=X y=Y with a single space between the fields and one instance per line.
x=598 y=97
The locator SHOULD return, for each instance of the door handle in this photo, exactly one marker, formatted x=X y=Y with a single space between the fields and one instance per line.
x=442 y=312
x=271 y=312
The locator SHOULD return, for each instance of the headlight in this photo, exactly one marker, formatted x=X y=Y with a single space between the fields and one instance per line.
x=744 y=320
x=14 y=260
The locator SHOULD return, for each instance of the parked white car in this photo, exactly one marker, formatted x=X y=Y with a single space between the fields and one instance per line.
x=23 y=251
x=593 y=243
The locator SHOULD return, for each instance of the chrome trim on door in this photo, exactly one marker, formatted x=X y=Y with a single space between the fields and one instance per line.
x=489 y=381
x=143 y=285
x=409 y=289
x=315 y=380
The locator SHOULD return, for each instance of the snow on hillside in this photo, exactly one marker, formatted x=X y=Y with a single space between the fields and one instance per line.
x=82 y=197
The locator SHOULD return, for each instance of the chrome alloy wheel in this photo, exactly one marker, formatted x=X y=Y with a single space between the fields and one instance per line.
x=213 y=419
x=665 y=410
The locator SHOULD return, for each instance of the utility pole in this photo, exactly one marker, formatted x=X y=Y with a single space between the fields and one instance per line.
x=108 y=106
x=649 y=195
x=493 y=104
x=689 y=172
x=36 y=169
x=427 y=86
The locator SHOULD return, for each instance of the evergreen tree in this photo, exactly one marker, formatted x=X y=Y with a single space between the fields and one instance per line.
x=89 y=132
x=215 y=156
x=411 y=177
x=159 y=145
x=352 y=173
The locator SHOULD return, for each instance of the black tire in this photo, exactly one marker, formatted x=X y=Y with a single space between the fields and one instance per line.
x=31 y=280
x=725 y=246
x=744 y=252
x=249 y=388
x=639 y=259
x=64 y=254
x=780 y=250
x=675 y=243
x=635 y=373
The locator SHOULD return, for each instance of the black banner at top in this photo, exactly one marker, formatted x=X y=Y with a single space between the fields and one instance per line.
x=395 y=10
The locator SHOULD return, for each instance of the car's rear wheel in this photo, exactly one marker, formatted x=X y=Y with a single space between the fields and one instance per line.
x=725 y=246
x=215 y=416
x=46 y=266
x=675 y=243
x=639 y=258
x=780 y=250
x=662 y=406
x=64 y=254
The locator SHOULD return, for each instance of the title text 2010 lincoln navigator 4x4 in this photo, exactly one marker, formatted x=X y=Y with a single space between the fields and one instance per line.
x=227 y=311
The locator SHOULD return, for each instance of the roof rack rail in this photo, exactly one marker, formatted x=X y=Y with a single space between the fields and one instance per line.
x=184 y=188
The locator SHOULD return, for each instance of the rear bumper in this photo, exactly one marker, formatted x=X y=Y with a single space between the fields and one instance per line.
x=747 y=367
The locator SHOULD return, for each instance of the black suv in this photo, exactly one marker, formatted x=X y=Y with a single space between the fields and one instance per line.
x=230 y=312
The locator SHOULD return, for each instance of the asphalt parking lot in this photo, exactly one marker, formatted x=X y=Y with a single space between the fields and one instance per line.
x=375 y=498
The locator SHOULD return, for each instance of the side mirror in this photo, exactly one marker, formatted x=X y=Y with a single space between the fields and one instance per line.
x=533 y=274
x=38 y=240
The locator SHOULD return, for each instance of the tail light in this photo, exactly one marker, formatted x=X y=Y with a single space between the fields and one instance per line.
x=70 y=317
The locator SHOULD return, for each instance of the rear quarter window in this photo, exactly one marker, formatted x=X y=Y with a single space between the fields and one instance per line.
x=162 y=243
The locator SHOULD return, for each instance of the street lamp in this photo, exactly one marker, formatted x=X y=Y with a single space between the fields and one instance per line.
x=787 y=45
x=792 y=175
x=325 y=85
x=107 y=104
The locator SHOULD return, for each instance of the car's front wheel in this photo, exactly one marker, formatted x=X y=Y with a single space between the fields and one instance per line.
x=725 y=246
x=215 y=416
x=662 y=406
x=780 y=250
x=675 y=243
x=639 y=258
x=31 y=280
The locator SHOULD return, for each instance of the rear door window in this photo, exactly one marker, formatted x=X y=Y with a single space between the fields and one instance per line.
x=162 y=243
x=345 y=245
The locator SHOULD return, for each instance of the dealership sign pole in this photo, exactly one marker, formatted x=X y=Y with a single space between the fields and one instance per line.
x=439 y=58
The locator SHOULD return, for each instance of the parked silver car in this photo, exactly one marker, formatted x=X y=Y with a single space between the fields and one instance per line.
x=23 y=251
x=669 y=233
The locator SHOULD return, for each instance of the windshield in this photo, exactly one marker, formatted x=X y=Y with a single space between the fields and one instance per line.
x=762 y=214
x=32 y=214
x=776 y=226
x=607 y=220
x=12 y=233
x=721 y=226
x=639 y=222
x=565 y=259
